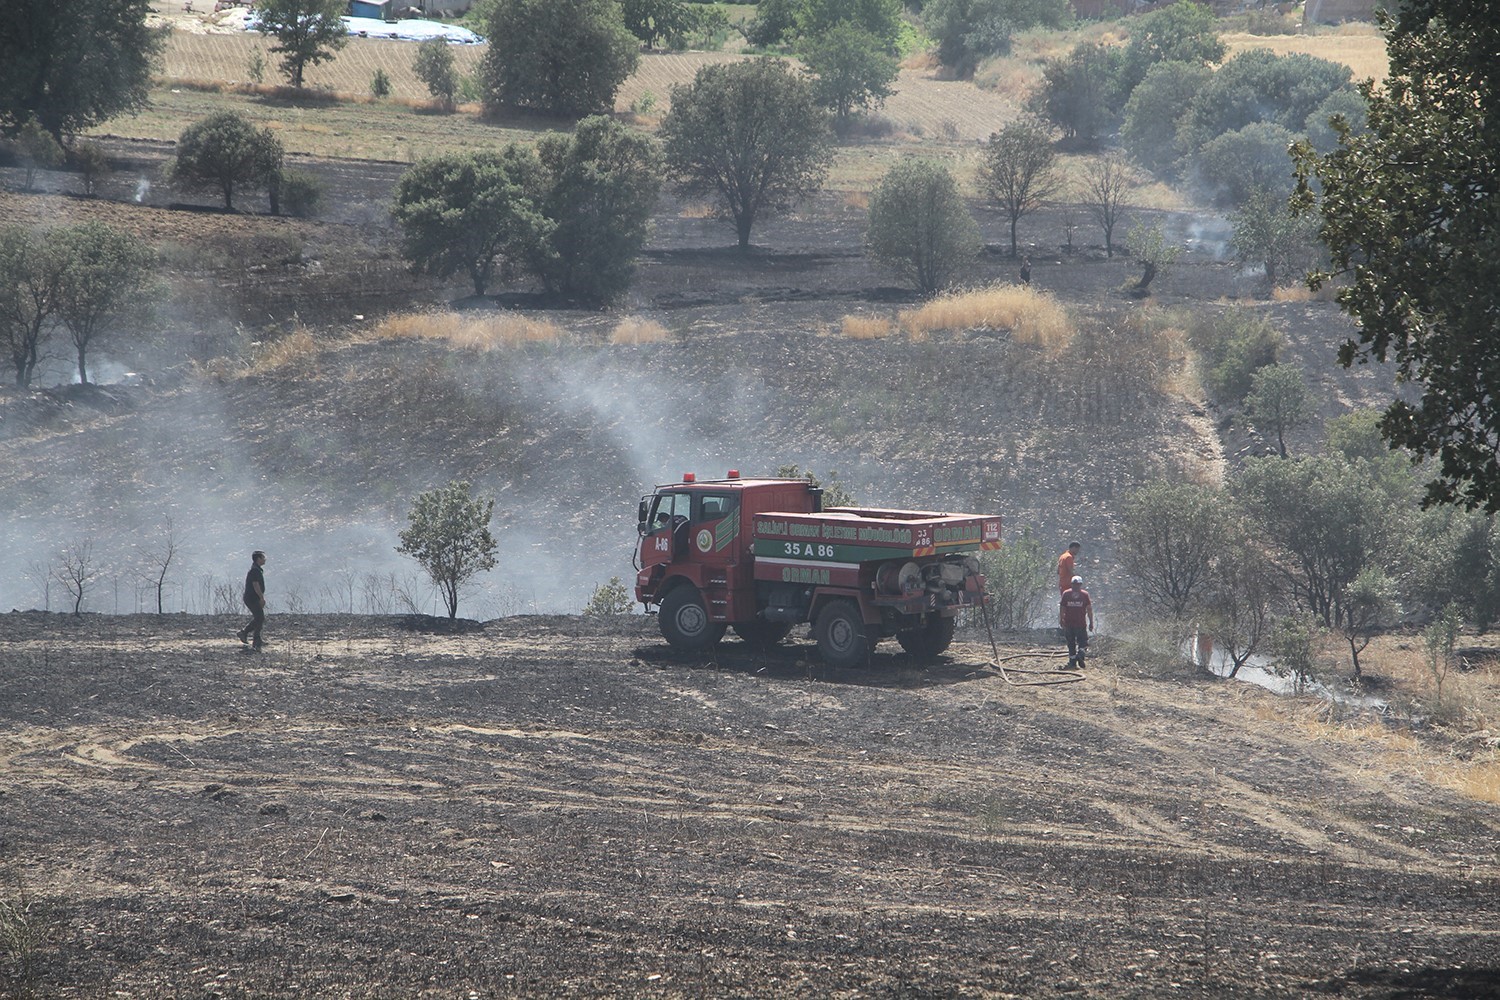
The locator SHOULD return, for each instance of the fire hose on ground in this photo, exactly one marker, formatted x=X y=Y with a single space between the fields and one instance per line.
x=1043 y=677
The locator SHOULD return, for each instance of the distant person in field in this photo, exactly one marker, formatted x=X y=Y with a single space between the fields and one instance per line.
x=1076 y=616
x=255 y=600
x=1065 y=565
x=1025 y=270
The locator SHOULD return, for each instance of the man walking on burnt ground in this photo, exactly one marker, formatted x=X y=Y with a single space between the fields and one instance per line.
x=255 y=600
x=1066 y=565
x=1076 y=616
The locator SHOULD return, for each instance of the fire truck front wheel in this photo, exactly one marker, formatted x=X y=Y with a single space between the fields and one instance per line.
x=843 y=639
x=684 y=620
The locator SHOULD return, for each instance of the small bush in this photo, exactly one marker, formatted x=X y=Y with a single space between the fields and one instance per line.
x=609 y=599
x=1234 y=345
x=380 y=83
x=300 y=193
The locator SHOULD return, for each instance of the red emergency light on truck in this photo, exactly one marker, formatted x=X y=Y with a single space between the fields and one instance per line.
x=762 y=555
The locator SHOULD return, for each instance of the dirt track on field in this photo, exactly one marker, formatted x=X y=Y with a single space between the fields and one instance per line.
x=559 y=806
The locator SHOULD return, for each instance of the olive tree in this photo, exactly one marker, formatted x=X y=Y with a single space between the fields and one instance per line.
x=448 y=534
x=1019 y=171
x=1170 y=536
x=1278 y=402
x=106 y=284
x=1268 y=235
x=433 y=65
x=919 y=226
x=749 y=134
x=307 y=32
x=227 y=152
x=1154 y=110
x=73 y=64
x=31 y=277
x=560 y=57
x=37 y=150
x=1148 y=245
x=472 y=213
x=853 y=71
x=602 y=185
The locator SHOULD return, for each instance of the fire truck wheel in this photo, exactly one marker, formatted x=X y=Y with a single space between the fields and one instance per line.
x=762 y=635
x=930 y=640
x=684 y=620
x=842 y=638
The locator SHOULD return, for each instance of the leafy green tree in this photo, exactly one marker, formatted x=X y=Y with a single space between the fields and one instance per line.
x=1258 y=86
x=603 y=182
x=106 y=285
x=853 y=71
x=1324 y=521
x=1170 y=536
x=671 y=21
x=307 y=32
x=749 y=134
x=1348 y=105
x=434 y=66
x=448 y=534
x=38 y=150
x=473 y=212
x=835 y=493
x=919 y=226
x=1278 y=402
x=1019 y=171
x=969 y=31
x=880 y=19
x=1079 y=93
x=225 y=151
x=1369 y=603
x=1148 y=245
x=1107 y=179
x=73 y=64
x=380 y=83
x=1269 y=236
x=1185 y=33
x=1154 y=111
x=1254 y=158
x=31 y=276
x=560 y=57
x=1407 y=210
x=775 y=22
x=1242 y=599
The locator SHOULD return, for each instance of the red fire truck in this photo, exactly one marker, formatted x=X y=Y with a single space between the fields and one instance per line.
x=762 y=555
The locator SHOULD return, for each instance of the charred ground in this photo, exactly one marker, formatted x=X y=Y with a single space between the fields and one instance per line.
x=549 y=806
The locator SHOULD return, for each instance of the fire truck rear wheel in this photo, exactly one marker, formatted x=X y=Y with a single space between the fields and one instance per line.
x=843 y=640
x=930 y=640
x=762 y=635
x=684 y=620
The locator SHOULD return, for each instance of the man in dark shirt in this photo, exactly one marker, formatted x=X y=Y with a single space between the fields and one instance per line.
x=1076 y=616
x=255 y=600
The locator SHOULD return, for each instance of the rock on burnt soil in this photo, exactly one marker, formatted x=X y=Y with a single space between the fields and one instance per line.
x=387 y=807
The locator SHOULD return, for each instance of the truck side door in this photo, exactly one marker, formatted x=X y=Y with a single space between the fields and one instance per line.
x=665 y=531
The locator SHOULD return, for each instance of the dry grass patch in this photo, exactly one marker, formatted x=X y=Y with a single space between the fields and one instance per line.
x=1361 y=47
x=471 y=333
x=1032 y=317
x=282 y=352
x=635 y=330
x=866 y=327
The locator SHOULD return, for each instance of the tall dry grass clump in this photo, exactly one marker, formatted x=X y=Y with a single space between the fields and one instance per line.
x=488 y=332
x=866 y=327
x=635 y=330
x=1033 y=317
x=279 y=353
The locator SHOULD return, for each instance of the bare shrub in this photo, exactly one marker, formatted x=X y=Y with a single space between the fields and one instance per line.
x=226 y=597
x=635 y=330
x=76 y=570
x=22 y=932
x=1033 y=317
